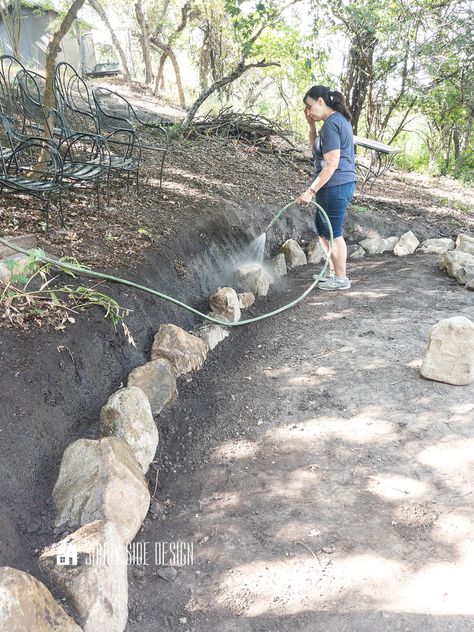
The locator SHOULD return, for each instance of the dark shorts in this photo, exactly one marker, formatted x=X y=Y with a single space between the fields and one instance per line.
x=334 y=201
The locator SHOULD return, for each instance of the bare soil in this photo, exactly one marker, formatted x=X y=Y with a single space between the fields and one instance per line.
x=323 y=483
x=345 y=417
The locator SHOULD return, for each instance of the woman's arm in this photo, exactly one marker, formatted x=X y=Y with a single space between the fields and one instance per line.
x=331 y=162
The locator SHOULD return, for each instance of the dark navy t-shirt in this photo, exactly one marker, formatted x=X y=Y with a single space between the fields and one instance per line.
x=336 y=133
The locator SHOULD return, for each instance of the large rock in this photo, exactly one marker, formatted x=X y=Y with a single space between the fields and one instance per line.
x=470 y=285
x=377 y=245
x=354 y=251
x=128 y=415
x=253 y=278
x=315 y=252
x=294 y=254
x=26 y=605
x=101 y=480
x=277 y=265
x=407 y=245
x=225 y=304
x=96 y=582
x=246 y=299
x=157 y=379
x=16 y=264
x=185 y=351
x=459 y=265
x=212 y=333
x=450 y=354
x=436 y=246
x=465 y=243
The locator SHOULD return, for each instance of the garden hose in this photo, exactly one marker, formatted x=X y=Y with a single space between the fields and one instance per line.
x=108 y=277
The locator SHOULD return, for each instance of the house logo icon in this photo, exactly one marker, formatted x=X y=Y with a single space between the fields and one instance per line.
x=67 y=556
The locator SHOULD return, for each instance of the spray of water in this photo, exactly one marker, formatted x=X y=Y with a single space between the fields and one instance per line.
x=256 y=249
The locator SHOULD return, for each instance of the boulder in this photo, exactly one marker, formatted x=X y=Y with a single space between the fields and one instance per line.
x=436 y=246
x=253 y=278
x=294 y=254
x=465 y=243
x=355 y=251
x=225 y=304
x=450 y=354
x=101 y=480
x=377 y=245
x=211 y=333
x=157 y=379
x=470 y=285
x=185 y=351
x=128 y=415
x=315 y=252
x=459 y=265
x=12 y=265
x=26 y=605
x=96 y=582
x=277 y=265
x=246 y=299
x=407 y=245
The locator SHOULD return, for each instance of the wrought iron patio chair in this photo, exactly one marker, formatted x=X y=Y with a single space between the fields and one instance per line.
x=77 y=110
x=33 y=168
x=114 y=112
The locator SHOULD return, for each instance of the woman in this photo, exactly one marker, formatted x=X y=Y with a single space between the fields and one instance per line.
x=334 y=176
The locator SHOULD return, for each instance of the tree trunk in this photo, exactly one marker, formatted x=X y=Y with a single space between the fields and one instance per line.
x=51 y=54
x=118 y=47
x=359 y=75
x=217 y=85
x=144 y=41
x=168 y=52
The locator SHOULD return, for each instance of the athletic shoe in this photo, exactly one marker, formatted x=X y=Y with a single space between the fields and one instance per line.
x=335 y=284
x=329 y=274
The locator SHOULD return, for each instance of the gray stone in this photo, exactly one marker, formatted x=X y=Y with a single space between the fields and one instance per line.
x=407 y=245
x=355 y=251
x=185 y=351
x=465 y=243
x=253 y=278
x=470 y=285
x=378 y=245
x=436 y=246
x=101 y=480
x=18 y=263
x=450 y=354
x=97 y=586
x=246 y=299
x=277 y=265
x=157 y=379
x=128 y=415
x=294 y=254
x=168 y=573
x=315 y=252
x=211 y=333
x=225 y=303
x=459 y=265
x=26 y=605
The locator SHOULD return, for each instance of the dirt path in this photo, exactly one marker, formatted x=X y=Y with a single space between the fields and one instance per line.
x=323 y=483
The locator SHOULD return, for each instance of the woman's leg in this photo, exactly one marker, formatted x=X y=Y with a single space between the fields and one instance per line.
x=325 y=246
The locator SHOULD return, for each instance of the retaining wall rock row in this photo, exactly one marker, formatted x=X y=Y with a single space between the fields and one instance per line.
x=157 y=379
x=97 y=586
x=450 y=354
x=26 y=605
x=128 y=415
x=101 y=480
x=184 y=351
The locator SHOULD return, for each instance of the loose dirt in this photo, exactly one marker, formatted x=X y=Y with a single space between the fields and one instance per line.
x=322 y=483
